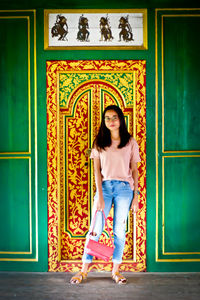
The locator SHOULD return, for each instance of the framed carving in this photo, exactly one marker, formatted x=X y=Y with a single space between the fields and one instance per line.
x=95 y=29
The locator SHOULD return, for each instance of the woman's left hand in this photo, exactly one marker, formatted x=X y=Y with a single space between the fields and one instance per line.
x=135 y=205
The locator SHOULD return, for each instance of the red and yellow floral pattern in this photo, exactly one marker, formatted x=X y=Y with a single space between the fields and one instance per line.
x=77 y=93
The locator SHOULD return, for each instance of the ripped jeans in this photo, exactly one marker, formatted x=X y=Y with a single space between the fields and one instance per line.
x=119 y=194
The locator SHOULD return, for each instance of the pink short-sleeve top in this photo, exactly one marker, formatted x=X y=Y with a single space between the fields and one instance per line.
x=116 y=162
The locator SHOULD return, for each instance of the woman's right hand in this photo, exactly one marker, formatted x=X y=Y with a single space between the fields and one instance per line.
x=100 y=203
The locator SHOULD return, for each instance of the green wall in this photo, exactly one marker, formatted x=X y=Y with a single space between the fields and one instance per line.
x=173 y=144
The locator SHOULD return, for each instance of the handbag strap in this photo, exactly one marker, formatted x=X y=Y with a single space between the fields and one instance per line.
x=93 y=222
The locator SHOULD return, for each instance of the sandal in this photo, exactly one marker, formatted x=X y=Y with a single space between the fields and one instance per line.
x=78 y=278
x=119 y=278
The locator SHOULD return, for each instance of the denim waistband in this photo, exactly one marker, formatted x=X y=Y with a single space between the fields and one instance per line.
x=115 y=183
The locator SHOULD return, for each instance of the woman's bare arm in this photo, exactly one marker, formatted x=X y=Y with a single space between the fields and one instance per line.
x=134 y=205
x=98 y=180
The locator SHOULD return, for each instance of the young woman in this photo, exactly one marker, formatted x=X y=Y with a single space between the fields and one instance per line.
x=115 y=154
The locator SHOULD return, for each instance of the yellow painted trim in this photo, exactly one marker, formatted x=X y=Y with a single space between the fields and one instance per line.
x=97 y=261
x=163 y=203
x=18 y=10
x=162 y=72
x=90 y=107
x=46 y=29
x=18 y=259
x=36 y=138
x=15 y=153
x=98 y=72
x=15 y=157
x=65 y=150
x=186 y=15
x=178 y=9
x=73 y=11
x=29 y=84
x=30 y=208
x=174 y=156
x=58 y=166
x=88 y=11
x=181 y=151
x=156 y=125
x=134 y=238
x=178 y=260
x=145 y=30
x=14 y=17
x=134 y=105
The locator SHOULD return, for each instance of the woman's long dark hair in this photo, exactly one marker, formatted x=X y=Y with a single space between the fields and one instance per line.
x=103 y=138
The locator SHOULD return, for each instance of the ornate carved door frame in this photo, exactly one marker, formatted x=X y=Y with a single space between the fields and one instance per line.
x=70 y=87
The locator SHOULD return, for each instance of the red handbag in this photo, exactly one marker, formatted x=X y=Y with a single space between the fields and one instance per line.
x=97 y=249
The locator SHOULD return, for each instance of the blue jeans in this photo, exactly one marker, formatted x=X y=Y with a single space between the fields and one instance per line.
x=119 y=194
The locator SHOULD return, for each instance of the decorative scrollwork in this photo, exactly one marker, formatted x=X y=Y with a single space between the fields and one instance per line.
x=79 y=111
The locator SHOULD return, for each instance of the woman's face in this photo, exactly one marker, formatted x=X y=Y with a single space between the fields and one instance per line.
x=112 y=120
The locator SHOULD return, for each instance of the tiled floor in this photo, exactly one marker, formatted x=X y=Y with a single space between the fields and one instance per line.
x=140 y=286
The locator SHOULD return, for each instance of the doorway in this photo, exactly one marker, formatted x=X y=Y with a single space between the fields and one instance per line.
x=77 y=93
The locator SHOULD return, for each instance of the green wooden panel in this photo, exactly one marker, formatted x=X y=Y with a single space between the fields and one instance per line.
x=14 y=120
x=177 y=177
x=181 y=47
x=20 y=231
x=15 y=205
x=181 y=204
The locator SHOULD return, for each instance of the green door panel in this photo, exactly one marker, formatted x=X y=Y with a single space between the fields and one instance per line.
x=181 y=49
x=23 y=242
x=16 y=206
x=14 y=85
x=177 y=222
x=181 y=205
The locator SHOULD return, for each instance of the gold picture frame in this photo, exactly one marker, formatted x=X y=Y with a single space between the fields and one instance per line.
x=89 y=29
